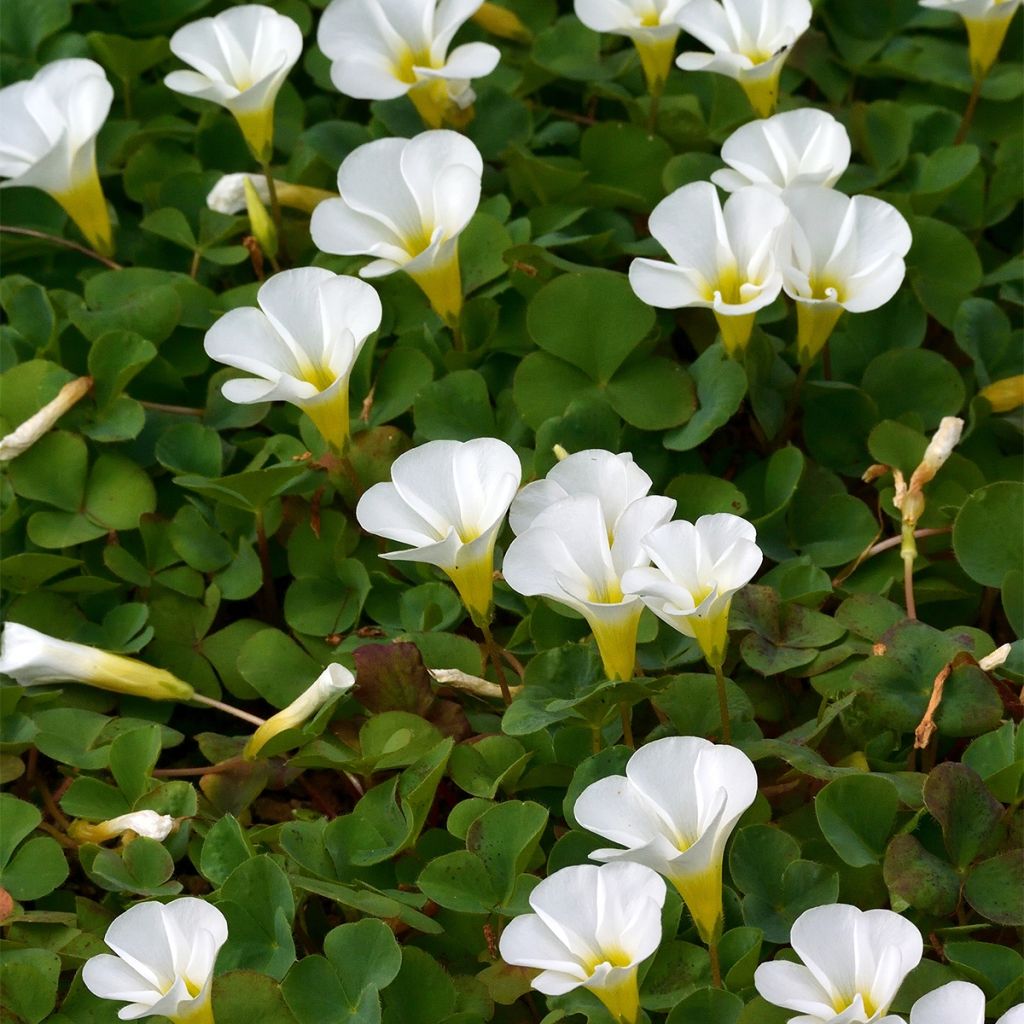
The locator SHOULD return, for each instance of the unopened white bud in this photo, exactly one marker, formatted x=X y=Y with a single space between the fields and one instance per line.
x=228 y=195
x=995 y=659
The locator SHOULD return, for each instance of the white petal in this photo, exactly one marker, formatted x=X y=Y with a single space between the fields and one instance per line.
x=958 y=1002
x=382 y=511
x=666 y=286
x=794 y=987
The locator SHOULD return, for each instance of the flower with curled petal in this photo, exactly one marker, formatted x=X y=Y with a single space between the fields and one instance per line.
x=749 y=41
x=799 y=147
x=844 y=253
x=448 y=499
x=228 y=195
x=614 y=477
x=698 y=567
x=570 y=555
x=165 y=955
x=987 y=23
x=332 y=682
x=32 y=658
x=674 y=811
x=958 y=1002
x=142 y=823
x=301 y=344
x=854 y=961
x=240 y=59
x=592 y=927
x=405 y=202
x=723 y=258
x=653 y=26
x=50 y=124
x=383 y=49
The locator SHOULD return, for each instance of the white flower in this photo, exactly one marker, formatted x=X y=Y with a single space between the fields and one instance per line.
x=723 y=258
x=164 y=962
x=50 y=124
x=958 y=1002
x=800 y=147
x=334 y=680
x=855 y=961
x=699 y=566
x=615 y=478
x=302 y=343
x=448 y=500
x=674 y=811
x=749 y=40
x=32 y=658
x=987 y=22
x=844 y=254
x=570 y=555
x=382 y=49
x=241 y=58
x=405 y=202
x=593 y=927
x=143 y=823
x=228 y=195
x=653 y=25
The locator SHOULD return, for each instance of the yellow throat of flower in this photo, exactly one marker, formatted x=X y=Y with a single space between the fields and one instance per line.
x=258 y=130
x=656 y=56
x=985 y=39
x=762 y=90
x=702 y=894
x=622 y=1000
x=442 y=285
x=86 y=205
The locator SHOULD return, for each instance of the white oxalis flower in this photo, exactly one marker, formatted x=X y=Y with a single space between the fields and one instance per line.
x=240 y=58
x=301 y=343
x=50 y=124
x=854 y=962
x=653 y=25
x=749 y=40
x=382 y=49
x=405 y=202
x=723 y=258
x=698 y=567
x=592 y=927
x=146 y=823
x=448 y=500
x=987 y=22
x=614 y=477
x=674 y=811
x=165 y=954
x=32 y=658
x=958 y=1002
x=571 y=555
x=333 y=681
x=228 y=195
x=844 y=253
x=798 y=147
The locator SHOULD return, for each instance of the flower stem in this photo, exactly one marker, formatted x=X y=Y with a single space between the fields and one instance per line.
x=716 y=966
x=275 y=202
x=228 y=709
x=723 y=705
x=269 y=595
x=627 y=726
x=66 y=242
x=908 y=552
x=972 y=106
x=495 y=656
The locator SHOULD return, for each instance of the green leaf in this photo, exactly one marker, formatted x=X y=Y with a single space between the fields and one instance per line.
x=721 y=384
x=653 y=394
x=119 y=493
x=970 y=816
x=919 y=878
x=986 y=535
x=225 y=848
x=541 y=384
x=170 y=224
x=24 y=24
x=707 y=1006
x=912 y=380
x=246 y=996
x=856 y=815
x=28 y=979
x=592 y=320
x=457 y=406
x=260 y=929
x=127 y=58
x=993 y=886
x=943 y=268
x=422 y=993
x=53 y=470
x=190 y=448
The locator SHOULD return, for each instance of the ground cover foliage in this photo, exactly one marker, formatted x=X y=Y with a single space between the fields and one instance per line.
x=368 y=860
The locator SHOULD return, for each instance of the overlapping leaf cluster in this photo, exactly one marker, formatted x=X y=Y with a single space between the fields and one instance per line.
x=367 y=864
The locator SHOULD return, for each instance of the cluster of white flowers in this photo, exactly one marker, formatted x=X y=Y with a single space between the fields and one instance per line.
x=585 y=537
x=783 y=228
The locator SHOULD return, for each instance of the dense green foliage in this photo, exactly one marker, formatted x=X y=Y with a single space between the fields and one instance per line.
x=368 y=861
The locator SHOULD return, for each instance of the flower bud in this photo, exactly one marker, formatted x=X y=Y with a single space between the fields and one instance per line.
x=1005 y=395
x=143 y=823
x=995 y=659
x=334 y=680
x=26 y=435
x=259 y=220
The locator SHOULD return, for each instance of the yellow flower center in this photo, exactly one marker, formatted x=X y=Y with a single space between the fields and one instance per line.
x=614 y=957
x=820 y=287
x=842 y=1002
x=404 y=65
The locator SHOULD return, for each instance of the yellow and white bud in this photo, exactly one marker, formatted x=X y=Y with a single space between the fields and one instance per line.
x=939 y=449
x=228 y=195
x=333 y=681
x=145 y=823
x=24 y=436
x=32 y=658
x=992 y=661
x=1005 y=395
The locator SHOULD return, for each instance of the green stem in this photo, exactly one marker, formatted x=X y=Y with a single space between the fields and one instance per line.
x=716 y=966
x=972 y=105
x=627 y=726
x=200 y=698
x=495 y=655
x=723 y=705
